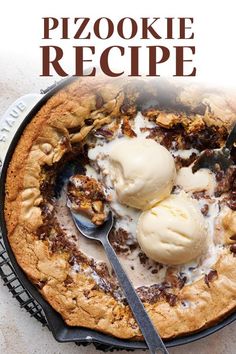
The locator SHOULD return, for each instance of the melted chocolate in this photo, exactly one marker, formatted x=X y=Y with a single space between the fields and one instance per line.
x=174 y=138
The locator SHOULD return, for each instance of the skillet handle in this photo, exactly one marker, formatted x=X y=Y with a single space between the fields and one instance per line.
x=12 y=119
x=153 y=340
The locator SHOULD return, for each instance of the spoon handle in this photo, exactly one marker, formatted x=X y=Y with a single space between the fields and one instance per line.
x=147 y=328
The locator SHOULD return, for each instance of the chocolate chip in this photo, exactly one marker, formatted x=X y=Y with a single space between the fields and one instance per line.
x=212 y=275
x=72 y=261
x=149 y=294
x=171 y=299
x=233 y=248
x=205 y=209
x=156 y=291
x=207 y=138
x=74 y=130
x=181 y=162
x=118 y=239
x=41 y=284
x=143 y=258
x=181 y=281
x=88 y=121
x=86 y=293
x=199 y=195
x=154 y=271
x=68 y=280
x=102 y=132
x=163 y=286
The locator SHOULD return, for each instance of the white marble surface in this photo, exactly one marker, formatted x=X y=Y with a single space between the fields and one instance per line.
x=21 y=334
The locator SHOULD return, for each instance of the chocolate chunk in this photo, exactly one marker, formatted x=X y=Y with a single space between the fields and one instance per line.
x=174 y=279
x=143 y=258
x=181 y=281
x=207 y=138
x=233 y=249
x=199 y=195
x=102 y=270
x=164 y=285
x=149 y=294
x=119 y=240
x=68 y=280
x=170 y=138
x=178 y=138
x=154 y=271
x=171 y=299
x=104 y=133
x=72 y=261
x=86 y=293
x=181 y=162
x=205 y=209
x=88 y=121
x=155 y=292
x=225 y=183
x=212 y=275
x=74 y=130
x=41 y=284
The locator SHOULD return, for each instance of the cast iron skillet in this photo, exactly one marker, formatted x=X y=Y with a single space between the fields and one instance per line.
x=60 y=331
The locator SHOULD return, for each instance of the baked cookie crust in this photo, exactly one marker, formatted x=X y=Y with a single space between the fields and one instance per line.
x=60 y=128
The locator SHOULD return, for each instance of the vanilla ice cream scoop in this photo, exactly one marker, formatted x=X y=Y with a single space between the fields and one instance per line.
x=142 y=171
x=174 y=231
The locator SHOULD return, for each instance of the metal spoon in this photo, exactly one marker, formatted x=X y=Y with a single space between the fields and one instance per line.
x=221 y=157
x=101 y=233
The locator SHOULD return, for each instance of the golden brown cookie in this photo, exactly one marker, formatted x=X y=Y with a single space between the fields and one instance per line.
x=83 y=291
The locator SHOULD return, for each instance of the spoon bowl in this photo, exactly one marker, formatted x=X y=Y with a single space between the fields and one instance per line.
x=90 y=230
x=101 y=233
